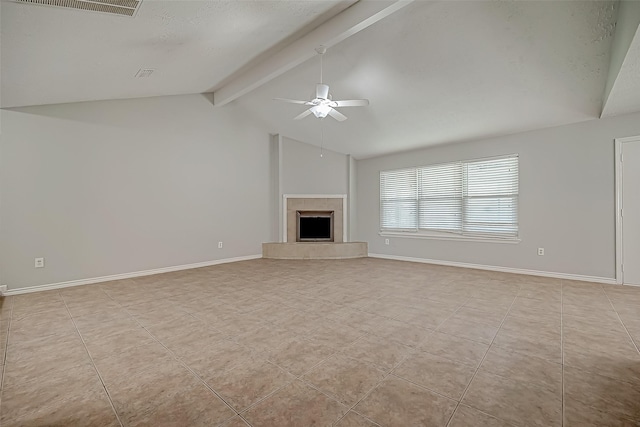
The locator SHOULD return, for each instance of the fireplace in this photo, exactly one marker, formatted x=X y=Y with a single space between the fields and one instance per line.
x=314 y=206
x=314 y=226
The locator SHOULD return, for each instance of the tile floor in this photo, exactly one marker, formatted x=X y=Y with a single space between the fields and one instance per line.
x=364 y=342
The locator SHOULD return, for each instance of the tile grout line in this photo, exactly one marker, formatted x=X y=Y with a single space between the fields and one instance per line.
x=464 y=393
x=95 y=368
x=402 y=360
x=300 y=377
x=177 y=359
x=621 y=321
x=4 y=357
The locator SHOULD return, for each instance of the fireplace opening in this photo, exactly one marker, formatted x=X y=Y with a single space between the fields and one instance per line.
x=314 y=226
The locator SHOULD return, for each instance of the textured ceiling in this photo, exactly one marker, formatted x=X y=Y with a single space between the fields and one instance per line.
x=440 y=72
x=625 y=93
x=55 y=55
x=435 y=71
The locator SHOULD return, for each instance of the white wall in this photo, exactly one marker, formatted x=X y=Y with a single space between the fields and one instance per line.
x=111 y=187
x=566 y=200
x=305 y=172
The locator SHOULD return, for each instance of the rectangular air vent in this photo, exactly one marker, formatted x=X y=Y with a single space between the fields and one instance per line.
x=117 y=7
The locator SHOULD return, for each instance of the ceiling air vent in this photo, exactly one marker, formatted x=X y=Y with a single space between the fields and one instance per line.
x=115 y=7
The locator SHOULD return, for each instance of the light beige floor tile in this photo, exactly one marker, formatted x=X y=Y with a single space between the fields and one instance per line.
x=25 y=398
x=334 y=334
x=469 y=417
x=426 y=319
x=514 y=401
x=352 y=419
x=236 y=421
x=248 y=382
x=118 y=343
x=401 y=332
x=602 y=393
x=92 y=409
x=345 y=379
x=455 y=348
x=295 y=405
x=528 y=369
x=297 y=356
x=25 y=370
x=215 y=359
x=217 y=320
x=121 y=367
x=467 y=329
x=577 y=414
x=486 y=316
x=396 y=402
x=606 y=313
x=621 y=366
x=535 y=308
x=176 y=398
x=444 y=376
x=539 y=343
x=376 y=351
x=266 y=338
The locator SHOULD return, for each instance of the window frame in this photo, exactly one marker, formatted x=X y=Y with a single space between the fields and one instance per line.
x=423 y=233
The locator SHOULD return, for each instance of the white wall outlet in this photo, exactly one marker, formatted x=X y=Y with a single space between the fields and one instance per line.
x=219 y=245
x=3 y=289
x=386 y=241
x=540 y=251
x=39 y=263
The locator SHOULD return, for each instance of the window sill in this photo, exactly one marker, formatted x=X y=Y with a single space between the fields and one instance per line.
x=410 y=235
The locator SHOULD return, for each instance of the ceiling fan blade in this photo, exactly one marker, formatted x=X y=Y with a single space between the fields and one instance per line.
x=322 y=91
x=302 y=115
x=291 y=101
x=352 y=103
x=337 y=115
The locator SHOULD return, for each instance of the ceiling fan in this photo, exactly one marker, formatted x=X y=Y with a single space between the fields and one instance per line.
x=322 y=105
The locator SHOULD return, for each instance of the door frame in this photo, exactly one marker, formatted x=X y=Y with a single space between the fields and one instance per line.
x=618 y=192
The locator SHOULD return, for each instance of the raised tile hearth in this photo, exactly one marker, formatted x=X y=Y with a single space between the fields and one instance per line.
x=315 y=250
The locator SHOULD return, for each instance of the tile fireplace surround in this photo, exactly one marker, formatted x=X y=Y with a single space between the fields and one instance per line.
x=334 y=204
x=338 y=249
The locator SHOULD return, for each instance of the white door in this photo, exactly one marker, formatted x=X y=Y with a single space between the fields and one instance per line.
x=631 y=212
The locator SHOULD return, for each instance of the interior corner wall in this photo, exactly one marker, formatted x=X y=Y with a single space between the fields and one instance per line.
x=113 y=187
x=303 y=171
x=566 y=200
x=352 y=167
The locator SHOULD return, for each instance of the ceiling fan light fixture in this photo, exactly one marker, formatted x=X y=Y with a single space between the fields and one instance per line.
x=323 y=105
x=321 y=110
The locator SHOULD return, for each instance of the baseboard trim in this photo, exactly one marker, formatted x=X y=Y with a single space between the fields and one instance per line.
x=500 y=269
x=92 y=280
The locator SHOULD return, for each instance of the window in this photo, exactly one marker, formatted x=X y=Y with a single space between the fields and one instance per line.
x=471 y=198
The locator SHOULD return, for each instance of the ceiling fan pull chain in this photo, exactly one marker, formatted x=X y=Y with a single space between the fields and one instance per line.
x=321 y=137
x=321 y=55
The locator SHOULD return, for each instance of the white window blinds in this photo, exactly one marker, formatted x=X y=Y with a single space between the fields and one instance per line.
x=398 y=200
x=478 y=197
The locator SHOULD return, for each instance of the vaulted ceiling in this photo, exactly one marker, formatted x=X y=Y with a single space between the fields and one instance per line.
x=435 y=71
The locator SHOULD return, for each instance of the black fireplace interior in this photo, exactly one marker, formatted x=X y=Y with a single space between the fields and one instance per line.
x=315 y=228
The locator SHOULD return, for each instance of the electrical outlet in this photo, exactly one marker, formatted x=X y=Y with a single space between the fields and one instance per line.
x=219 y=245
x=3 y=289
x=540 y=251
x=386 y=241
x=39 y=263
